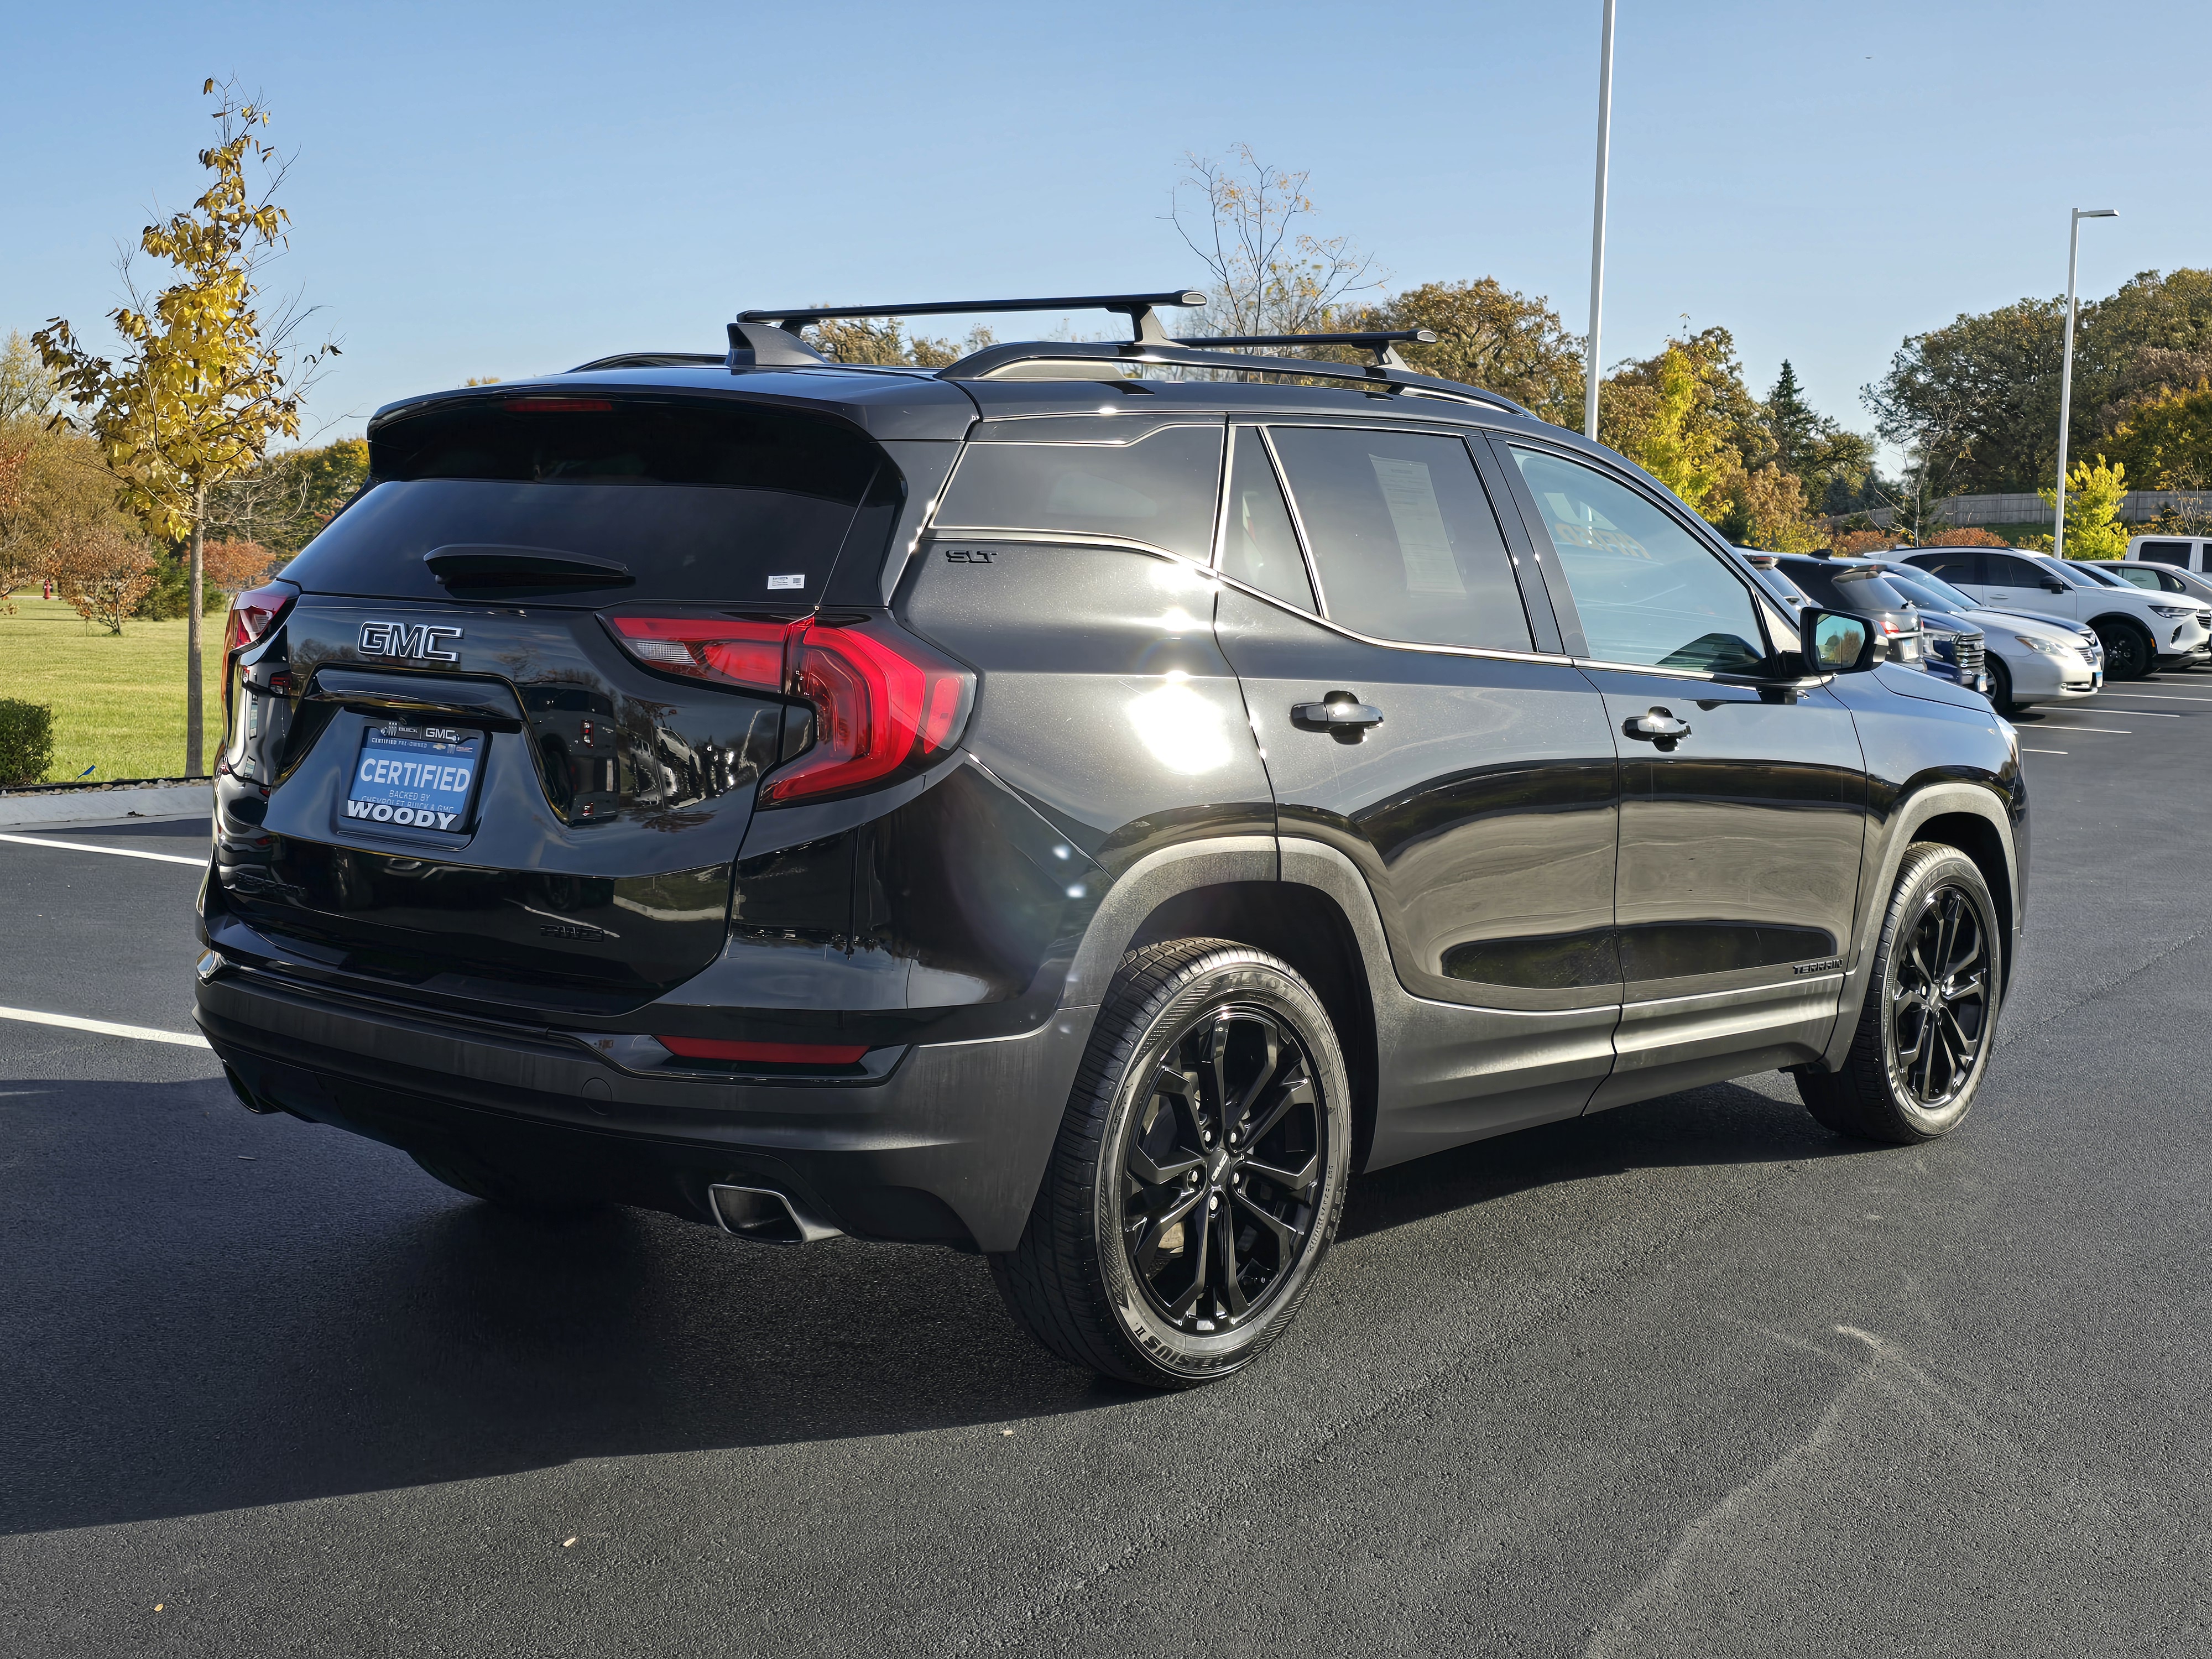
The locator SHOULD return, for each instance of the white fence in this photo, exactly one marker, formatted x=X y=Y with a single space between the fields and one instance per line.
x=2137 y=506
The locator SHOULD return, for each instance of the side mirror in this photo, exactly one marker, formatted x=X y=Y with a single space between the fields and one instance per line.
x=1836 y=641
x=2053 y=585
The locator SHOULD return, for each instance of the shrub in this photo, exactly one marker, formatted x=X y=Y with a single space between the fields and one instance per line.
x=103 y=573
x=26 y=741
x=1966 y=536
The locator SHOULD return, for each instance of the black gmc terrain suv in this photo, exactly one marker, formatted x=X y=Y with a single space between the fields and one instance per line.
x=1080 y=805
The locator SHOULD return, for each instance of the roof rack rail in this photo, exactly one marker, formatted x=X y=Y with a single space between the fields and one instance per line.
x=1383 y=345
x=1138 y=307
x=653 y=359
x=1108 y=354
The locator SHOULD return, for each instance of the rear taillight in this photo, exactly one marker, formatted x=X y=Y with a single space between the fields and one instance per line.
x=255 y=611
x=884 y=704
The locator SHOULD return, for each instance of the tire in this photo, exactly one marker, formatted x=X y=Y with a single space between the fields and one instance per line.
x=2001 y=687
x=504 y=1191
x=2129 y=653
x=1908 y=1077
x=1109 y=1274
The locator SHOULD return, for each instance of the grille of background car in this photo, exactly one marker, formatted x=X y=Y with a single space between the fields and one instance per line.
x=1968 y=657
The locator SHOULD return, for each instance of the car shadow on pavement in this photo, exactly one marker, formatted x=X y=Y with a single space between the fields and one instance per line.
x=1721 y=1123
x=209 y=1311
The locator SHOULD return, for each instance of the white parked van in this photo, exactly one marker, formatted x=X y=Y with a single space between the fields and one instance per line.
x=2182 y=552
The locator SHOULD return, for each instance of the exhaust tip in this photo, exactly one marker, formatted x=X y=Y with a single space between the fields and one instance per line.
x=764 y=1216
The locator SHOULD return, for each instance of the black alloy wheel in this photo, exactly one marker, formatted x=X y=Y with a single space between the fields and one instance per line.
x=1199 y=1173
x=1223 y=1163
x=1938 y=997
x=2127 y=651
x=1920 y=1042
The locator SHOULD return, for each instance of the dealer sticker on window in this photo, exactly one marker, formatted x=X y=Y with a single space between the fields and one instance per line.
x=417 y=777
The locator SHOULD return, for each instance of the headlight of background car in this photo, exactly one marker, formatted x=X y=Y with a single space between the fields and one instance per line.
x=2174 y=610
x=2044 y=646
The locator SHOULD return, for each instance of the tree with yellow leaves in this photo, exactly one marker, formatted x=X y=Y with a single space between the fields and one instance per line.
x=2092 y=509
x=202 y=387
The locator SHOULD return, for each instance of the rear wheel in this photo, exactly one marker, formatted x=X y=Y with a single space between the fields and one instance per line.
x=494 y=1186
x=2128 y=654
x=1923 y=1043
x=1198 y=1173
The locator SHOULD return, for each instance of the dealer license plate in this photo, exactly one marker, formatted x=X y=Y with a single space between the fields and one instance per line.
x=415 y=777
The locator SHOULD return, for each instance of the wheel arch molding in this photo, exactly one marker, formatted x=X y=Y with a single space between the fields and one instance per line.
x=1970 y=817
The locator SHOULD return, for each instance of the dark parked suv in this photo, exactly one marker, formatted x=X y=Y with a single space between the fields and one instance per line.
x=1080 y=805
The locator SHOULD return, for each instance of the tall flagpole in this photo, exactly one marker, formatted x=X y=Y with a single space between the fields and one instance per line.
x=1597 y=227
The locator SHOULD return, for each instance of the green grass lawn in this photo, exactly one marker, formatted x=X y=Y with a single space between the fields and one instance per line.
x=119 y=698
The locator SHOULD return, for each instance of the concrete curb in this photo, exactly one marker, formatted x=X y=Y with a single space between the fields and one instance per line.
x=105 y=804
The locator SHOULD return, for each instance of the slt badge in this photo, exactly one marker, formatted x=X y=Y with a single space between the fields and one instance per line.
x=389 y=638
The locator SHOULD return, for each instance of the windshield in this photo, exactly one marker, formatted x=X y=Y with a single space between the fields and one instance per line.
x=2102 y=578
x=2066 y=572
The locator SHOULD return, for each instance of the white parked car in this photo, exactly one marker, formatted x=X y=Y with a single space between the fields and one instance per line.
x=2141 y=632
x=2029 y=659
x=2182 y=552
x=2155 y=578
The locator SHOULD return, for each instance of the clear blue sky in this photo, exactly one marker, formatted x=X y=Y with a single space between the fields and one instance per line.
x=505 y=189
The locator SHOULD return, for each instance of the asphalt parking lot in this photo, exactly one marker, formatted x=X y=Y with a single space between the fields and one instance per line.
x=1690 y=1377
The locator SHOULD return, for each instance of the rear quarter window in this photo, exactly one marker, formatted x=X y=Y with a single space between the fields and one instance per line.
x=1158 y=489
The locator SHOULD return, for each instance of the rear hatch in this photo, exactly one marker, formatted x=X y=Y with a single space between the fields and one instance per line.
x=461 y=762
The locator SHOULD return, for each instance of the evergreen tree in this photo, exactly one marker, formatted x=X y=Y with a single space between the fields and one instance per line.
x=1797 y=429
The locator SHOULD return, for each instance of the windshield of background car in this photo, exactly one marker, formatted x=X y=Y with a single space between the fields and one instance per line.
x=1856 y=588
x=2066 y=573
x=1648 y=591
x=700 y=501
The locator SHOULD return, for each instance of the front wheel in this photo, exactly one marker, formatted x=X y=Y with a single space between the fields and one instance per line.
x=2128 y=652
x=2000 y=687
x=1923 y=1043
x=1198 y=1173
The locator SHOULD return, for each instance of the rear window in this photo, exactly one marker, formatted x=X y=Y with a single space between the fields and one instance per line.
x=704 y=502
x=1858 y=591
x=2165 y=553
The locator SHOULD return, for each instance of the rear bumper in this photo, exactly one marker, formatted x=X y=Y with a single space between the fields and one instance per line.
x=947 y=1148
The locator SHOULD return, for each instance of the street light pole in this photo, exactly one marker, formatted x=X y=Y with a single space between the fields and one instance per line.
x=2066 y=373
x=1597 y=227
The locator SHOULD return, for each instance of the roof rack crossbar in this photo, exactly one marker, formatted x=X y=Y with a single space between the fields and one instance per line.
x=1138 y=307
x=1384 y=345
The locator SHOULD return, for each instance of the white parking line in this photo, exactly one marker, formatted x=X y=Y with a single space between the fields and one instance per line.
x=105 y=1027
x=2152 y=715
x=2024 y=749
x=2109 y=731
x=120 y=852
x=2155 y=696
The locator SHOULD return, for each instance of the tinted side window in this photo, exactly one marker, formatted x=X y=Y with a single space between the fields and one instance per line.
x=1647 y=590
x=1159 y=489
x=2006 y=571
x=1963 y=565
x=1258 y=545
x=2166 y=553
x=1403 y=537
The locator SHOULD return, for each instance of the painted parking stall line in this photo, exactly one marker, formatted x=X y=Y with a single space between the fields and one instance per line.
x=120 y=852
x=104 y=1027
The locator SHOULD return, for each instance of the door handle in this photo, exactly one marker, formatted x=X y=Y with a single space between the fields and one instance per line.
x=1659 y=727
x=1340 y=711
